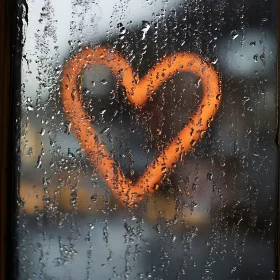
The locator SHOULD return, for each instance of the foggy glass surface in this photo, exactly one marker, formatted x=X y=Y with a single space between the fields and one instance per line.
x=213 y=214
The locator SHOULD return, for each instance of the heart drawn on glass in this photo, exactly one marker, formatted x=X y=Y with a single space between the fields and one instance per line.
x=138 y=93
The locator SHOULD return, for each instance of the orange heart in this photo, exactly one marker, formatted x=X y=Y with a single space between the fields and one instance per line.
x=138 y=92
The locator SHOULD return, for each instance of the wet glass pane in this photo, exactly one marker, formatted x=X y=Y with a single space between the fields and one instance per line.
x=148 y=140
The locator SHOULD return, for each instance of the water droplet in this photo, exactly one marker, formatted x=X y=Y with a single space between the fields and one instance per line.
x=102 y=111
x=103 y=82
x=104 y=130
x=253 y=43
x=42 y=132
x=256 y=57
x=145 y=28
x=215 y=61
x=30 y=108
x=233 y=34
x=122 y=30
x=94 y=197
x=197 y=83
x=210 y=176
x=159 y=132
x=193 y=142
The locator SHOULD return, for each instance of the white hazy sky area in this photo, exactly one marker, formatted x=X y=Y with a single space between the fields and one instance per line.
x=99 y=17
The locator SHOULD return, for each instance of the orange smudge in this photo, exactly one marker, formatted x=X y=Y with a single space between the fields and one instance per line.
x=138 y=93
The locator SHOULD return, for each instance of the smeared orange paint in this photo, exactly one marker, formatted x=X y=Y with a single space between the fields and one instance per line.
x=138 y=93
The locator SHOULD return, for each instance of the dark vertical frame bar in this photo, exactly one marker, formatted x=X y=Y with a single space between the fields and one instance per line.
x=5 y=118
x=277 y=268
x=10 y=65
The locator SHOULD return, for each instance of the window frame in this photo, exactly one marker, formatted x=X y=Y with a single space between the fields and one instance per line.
x=10 y=68
x=10 y=80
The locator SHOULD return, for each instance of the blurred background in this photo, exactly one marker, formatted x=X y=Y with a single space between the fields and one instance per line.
x=214 y=215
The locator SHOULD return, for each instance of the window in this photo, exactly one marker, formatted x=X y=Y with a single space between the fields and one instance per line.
x=145 y=135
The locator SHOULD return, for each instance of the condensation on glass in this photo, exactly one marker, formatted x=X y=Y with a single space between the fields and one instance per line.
x=148 y=134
